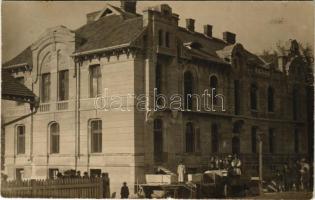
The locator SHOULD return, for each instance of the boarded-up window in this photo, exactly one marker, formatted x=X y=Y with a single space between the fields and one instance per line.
x=95 y=81
x=20 y=130
x=45 y=91
x=96 y=136
x=54 y=138
x=63 y=82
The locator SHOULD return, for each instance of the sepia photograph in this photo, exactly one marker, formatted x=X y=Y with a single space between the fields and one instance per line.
x=157 y=99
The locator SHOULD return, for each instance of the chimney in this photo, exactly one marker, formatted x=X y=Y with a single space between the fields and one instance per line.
x=129 y=6
x=229 y=37
x=190 y=24
x=207 y=30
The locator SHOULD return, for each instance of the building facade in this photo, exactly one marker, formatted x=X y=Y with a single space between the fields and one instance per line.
x=129 y=60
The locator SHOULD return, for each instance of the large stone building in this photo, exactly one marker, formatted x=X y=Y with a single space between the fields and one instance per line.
x=131 y=54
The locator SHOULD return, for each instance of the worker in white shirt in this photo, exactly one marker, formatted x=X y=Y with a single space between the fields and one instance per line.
x=181 y=170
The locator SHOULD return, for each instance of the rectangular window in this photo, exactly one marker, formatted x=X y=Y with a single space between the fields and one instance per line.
x=95 y=81
x=237 y=97
x=271 y=140
x=45 y=90
x=254 y=140
x=20 y=80
x=20 y=139
x=63 y=83
x=167 y=39
x=19 y=174
x=96 y=136
x=296 y=141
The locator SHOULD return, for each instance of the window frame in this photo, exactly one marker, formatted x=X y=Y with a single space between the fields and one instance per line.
x=45 y=88
x=188 y=85
x=254 y=97
x=270 y=96
x=20 y=150
x=96 y=135
x=271 y=137
x=53 y=135
x=158 y=131
x=213 y=83
x=254 y=139
x=214 y=138
x=167 y=39
x=63 y=86
x=160 y=38
x=94 y=92
x=190 y=140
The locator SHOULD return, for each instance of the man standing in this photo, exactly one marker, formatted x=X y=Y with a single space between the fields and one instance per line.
x=124 y=192
x=181 y=170
x=236 y=164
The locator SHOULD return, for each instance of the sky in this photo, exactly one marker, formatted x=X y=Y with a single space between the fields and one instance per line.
x=258 y=25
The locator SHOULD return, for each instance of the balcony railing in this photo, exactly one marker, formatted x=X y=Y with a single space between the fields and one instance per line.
x=63 y=105
x=44 y=107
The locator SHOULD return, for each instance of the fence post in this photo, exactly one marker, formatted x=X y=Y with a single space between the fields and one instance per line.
x=32 y=188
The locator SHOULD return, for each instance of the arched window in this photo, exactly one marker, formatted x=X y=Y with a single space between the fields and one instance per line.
x=270 y=99
x=54 y=138
x=190 y=138
x=188 y=89
x=271 y=140
x=167 y=39
x=253 y=97
x=295 y=102
x=214 y=88
x=254 y=139
x=158 y=140
x=20 y=133
x=160 y=38
x=96 y=136
x=296 y=141
x=214 y=138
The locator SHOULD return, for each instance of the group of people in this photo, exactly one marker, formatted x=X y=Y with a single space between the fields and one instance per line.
x=230 y=163
x=294 y=176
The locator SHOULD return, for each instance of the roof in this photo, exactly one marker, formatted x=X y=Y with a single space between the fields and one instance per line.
x=209 y=45
x=13 y=90
x=24 y=57
x=108 y=31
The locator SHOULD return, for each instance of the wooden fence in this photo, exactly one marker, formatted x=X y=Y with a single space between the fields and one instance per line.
x=59 y=188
